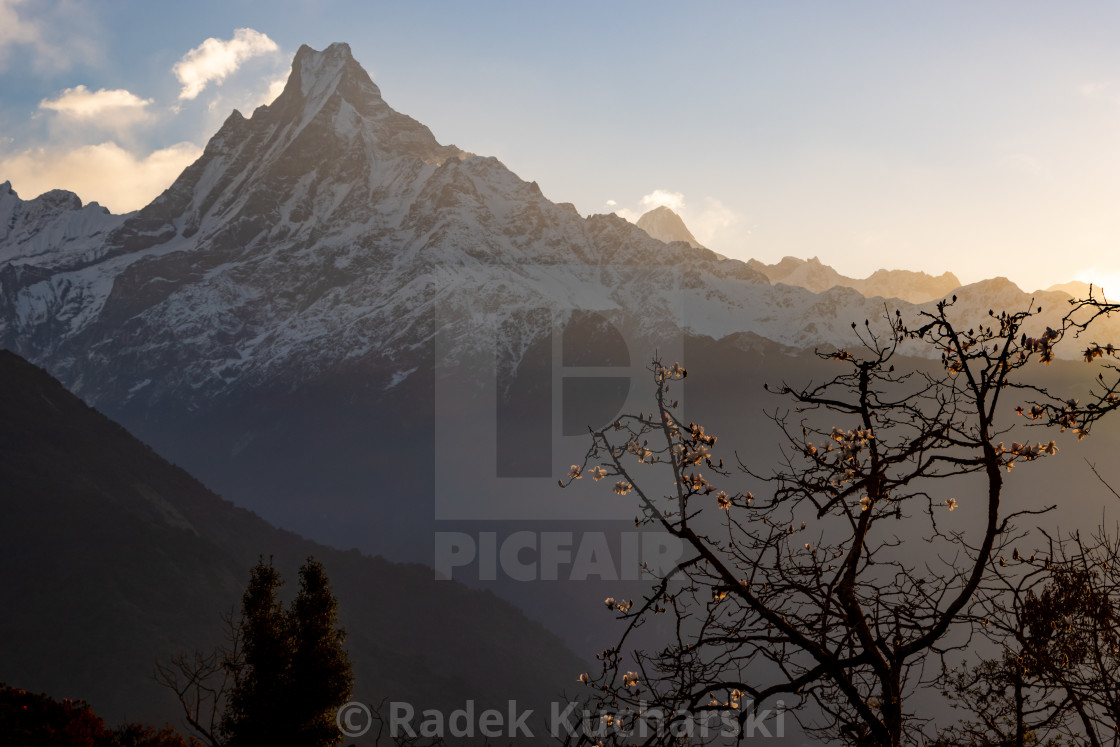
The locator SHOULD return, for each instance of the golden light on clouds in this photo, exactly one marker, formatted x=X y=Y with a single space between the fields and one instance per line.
x=275 y=88
x=709 y=222
x=663 y=198
x=105 y=173
x=215 y=59
x=89 y=126
x=81 y=103
x=115 y=110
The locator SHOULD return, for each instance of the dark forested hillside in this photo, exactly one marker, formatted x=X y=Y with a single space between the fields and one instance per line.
x=114 y=558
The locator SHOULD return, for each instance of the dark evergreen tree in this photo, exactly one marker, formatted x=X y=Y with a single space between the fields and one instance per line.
x=320 y=674
x=258 y=708
x=291 y=671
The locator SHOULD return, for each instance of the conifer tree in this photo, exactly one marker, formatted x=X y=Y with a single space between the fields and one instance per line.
x=257 y=710
x=289 y=670
x=320 y=676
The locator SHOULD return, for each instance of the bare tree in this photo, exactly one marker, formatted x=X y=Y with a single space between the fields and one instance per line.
x=843 y=583
x=202 y=681
x=381 y=731
x=1007 y=707
x=1055 y=618
x=1009 y=700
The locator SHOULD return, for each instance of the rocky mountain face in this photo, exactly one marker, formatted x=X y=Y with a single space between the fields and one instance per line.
x=663 y=224
x=326 y=229
x=54 y=229
x=270 y=321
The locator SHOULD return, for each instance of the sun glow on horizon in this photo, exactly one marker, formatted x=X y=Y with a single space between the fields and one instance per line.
x=1103 y=282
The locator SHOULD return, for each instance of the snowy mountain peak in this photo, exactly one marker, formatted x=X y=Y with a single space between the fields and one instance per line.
x=320 y=73
x=332 y=95
x=663 y=224
x=328 y=228
x=58 y=200
x=45 y=229
x=328 y=141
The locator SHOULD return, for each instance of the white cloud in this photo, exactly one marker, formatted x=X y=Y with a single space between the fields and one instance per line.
x=55 y=35
x=655 y=199
x=81 y=103
x=215 y=59
x=663 y=197
x=119 y=180
x=275 y=88
x=611 y=203
x=14 y=29
x=710 y=223
x=628 y=214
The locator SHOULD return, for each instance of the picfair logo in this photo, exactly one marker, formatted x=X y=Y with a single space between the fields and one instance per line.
x=517 y=386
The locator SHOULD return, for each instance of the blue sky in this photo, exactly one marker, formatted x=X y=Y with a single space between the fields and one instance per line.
x=981 y=138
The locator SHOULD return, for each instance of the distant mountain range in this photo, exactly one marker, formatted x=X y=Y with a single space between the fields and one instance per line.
x=327 y=230
x=812 y=274
x=915 y=287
